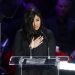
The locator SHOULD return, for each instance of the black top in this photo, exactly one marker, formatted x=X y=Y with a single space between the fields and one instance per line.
x=21 y=48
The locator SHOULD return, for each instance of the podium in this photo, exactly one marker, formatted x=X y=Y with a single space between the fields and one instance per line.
x=36 y=61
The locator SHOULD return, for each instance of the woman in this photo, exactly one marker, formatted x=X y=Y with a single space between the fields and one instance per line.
x=35 y=37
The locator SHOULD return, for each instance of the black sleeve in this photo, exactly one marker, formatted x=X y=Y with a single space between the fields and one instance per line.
x=51 y=43
x=17 y=44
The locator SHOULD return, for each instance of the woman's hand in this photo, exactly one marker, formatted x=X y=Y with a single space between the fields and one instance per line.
x=35 y=43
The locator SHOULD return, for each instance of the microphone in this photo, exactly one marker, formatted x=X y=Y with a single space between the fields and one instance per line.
x=47 y=44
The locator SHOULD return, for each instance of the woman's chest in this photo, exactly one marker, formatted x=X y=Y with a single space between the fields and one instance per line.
x=41 y=50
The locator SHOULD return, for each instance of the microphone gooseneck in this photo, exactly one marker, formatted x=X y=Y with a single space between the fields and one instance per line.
x=47 y=44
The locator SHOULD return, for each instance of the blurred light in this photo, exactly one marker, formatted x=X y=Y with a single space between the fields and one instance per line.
x=5 y=42
x=73 y=54
x=64 y=65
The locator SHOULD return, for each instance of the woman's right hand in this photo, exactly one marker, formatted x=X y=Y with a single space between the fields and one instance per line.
x=36 y=42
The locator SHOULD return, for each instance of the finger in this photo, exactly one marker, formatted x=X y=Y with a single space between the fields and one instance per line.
x=37 y=39
x=41 y=38
x=38 y=43
x=41 y=42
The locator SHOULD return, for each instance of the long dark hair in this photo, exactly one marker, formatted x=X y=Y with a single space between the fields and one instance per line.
x=28 y=31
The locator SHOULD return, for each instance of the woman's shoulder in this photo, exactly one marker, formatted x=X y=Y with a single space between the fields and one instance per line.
x=18 y=35
x=19 y=32
x=47 y=31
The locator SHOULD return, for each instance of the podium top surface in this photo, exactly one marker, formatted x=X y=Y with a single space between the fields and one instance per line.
x=36 y=60
x=51 y=57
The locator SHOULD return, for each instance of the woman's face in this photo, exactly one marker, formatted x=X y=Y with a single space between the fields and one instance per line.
x=36 y=22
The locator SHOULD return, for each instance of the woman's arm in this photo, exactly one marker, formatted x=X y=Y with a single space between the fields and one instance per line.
x=17 y=44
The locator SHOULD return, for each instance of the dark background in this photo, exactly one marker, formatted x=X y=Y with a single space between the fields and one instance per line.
x=11 y=19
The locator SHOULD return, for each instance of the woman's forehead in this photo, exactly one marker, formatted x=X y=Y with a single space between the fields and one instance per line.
x=36 y=16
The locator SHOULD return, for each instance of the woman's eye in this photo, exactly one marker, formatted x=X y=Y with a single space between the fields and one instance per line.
x=37 y=19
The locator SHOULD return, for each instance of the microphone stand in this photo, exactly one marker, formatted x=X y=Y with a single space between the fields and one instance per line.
x=30 y=53
x=48 y=53
x=47 y=45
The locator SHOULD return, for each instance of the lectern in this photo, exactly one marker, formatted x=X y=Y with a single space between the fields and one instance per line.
x=35 y=61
